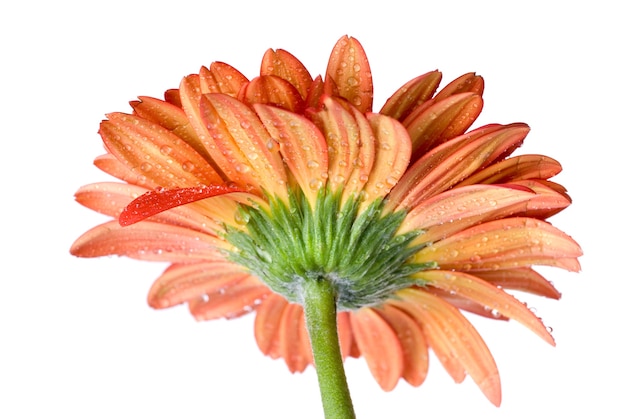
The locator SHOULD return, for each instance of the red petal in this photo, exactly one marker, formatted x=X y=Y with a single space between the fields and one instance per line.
x=155 y=202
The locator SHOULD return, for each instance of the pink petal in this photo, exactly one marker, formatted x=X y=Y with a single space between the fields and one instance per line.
x=272 y=90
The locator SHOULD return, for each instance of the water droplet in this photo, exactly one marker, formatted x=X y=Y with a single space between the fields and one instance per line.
x=165 y=150
x=339 y=179
x=253 y=156
x=146 y=167
x=352 y=81
x=391 y=180
x=315 y=184
x=245 y=124
x=188 y=166
x=242 y=168
x=357 y=100
x=311 y=164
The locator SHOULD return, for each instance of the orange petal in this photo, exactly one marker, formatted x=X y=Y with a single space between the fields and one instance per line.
x=302 y=146
x=455 y=160
x=469 y=82
x=522 y=279
x=393 y=151
x=293 y=348
x=380 y=347
x=347 y=343
x=111 y=165
x=213 y=133
x=342 y=134
x=236 y=300
x=488 y=295
x=441 y=121
x=149 y=241
x=267 y=324
x=413 y=342
x=155 y=153
x=221 y=78
x=272 y=90
x=411 y=95
x=517 y=168
x=457 y=209
x=171 y=117
x=453 y=337
x=284 y=65
x=349 y=68
x=184 y=282
x=258 y=156
x=506 y=243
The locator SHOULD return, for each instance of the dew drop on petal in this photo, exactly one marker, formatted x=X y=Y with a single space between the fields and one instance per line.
x=146 y=167
x=311 y=164
x=165 y=150
x=188 y=166
x=315 y=184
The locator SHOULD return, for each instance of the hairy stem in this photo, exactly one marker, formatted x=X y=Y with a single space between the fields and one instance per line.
x=320 y=310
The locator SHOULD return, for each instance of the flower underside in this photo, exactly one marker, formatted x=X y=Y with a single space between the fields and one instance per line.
x=359 y=252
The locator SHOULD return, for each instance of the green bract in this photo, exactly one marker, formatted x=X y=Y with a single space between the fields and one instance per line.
x=359 y=253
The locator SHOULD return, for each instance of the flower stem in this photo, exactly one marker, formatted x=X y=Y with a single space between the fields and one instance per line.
x=320 y=311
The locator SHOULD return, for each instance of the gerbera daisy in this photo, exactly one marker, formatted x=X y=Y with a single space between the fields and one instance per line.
x=287 y=196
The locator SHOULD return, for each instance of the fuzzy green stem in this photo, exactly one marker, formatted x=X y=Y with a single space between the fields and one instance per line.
x=320 y=309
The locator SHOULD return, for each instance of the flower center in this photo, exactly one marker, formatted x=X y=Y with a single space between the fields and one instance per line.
x=357 y=250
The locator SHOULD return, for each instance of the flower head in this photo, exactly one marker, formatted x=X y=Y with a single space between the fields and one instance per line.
x=252 y=188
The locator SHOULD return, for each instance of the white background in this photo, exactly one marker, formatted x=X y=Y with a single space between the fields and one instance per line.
x=77 y=339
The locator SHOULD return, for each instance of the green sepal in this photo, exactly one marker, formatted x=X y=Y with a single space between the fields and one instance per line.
x=356 y=249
